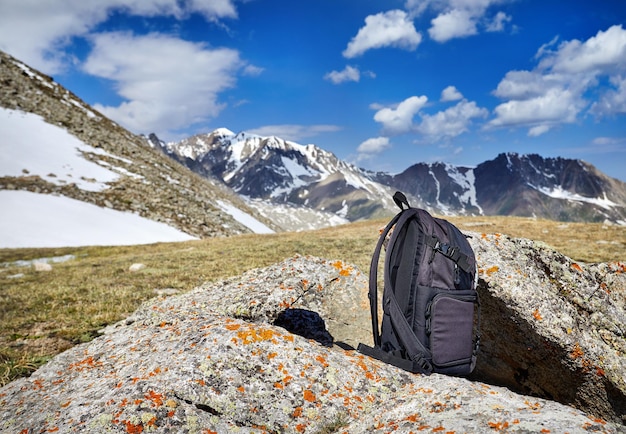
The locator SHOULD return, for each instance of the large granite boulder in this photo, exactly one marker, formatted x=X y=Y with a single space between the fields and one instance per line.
x=254 y=354
x=552 y=327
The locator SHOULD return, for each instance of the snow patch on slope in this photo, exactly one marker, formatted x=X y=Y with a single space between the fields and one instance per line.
x=559 y=193
x=467 y=182
x=244 y=218
x=41 y=220
x=30 y=146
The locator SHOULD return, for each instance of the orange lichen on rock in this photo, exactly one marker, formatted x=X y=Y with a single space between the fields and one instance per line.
x=256 y=335
x=343 y=270
x=86 y=363
x=576 y=267
x=498 y=426
x=156 y=398
x=577 y=352
x=309 y=396
x=492 y=270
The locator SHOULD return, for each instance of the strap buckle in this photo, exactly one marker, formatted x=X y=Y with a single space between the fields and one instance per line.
x=422 y=363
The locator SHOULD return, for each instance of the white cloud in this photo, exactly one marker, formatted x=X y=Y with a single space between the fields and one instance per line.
x=161 y=95
x=497 y=23
x=374 y=145
x=252 y=71
x=459 y=18
x=451 y=122
x=35 y=31
x=293 y=132
x=349 y=73
x=453 y=24
x=399 y=120
x=603 y=53
x=389 y=29
x=556 y=90
x=607 y=144
x=442 y=125
x=451 y=93
x=557 y=105
x=612 y=101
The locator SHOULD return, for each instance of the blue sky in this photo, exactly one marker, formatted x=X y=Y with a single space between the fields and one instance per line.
x=381 y=83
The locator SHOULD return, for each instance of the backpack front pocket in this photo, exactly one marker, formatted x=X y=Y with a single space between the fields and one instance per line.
x=450 y=325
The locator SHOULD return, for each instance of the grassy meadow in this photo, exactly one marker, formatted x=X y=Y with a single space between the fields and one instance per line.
x=45 y=312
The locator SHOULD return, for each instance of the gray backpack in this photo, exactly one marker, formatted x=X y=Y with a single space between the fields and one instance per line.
x=430 y=304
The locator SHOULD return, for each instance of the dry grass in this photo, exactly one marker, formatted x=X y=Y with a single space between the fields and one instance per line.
x=43 y=313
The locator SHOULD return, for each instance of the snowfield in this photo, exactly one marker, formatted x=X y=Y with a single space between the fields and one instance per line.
x=29 y=146
x=42 y=220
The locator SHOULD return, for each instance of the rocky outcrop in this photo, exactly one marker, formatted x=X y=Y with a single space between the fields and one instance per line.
x=552 y=327
x=254 y=354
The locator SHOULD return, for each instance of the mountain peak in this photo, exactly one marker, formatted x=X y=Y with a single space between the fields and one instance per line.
x=222 y=132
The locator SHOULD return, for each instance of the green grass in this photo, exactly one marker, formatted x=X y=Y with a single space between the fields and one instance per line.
x=44 y=313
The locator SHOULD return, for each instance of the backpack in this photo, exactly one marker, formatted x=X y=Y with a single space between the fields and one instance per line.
x=431 y=311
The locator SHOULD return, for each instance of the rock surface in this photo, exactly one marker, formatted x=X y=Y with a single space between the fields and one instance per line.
x=552 y=327
x=214 y=360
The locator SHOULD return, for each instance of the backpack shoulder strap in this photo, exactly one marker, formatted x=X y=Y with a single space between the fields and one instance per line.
x=400 y=199
x=418 y=353
x=373 y=282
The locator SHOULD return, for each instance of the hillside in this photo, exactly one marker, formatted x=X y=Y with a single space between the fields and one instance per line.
x=55 y=144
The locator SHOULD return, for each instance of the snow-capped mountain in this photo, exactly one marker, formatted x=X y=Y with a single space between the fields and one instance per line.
x=282 y=171
x=55 y=145
x=521 y=185
x=58 y=154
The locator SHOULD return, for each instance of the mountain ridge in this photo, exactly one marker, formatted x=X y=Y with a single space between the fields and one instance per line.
x=280 y=171
x=230 y=183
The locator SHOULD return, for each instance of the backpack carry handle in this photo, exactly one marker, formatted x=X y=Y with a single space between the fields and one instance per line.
x=400 y=199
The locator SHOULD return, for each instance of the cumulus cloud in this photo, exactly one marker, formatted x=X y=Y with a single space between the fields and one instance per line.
x=555 y=92
x=374 y=145
x=603 y=53
x=386 y=29
x=161 y=95
x=541 y=112
x=399 y=119
x=294 y=132
x=459 y=18
x=349 y=73
x=453 y=24
x=36 y=31
x=498 y=22
x=440 y=126
x=451 y=93
x=451 y=122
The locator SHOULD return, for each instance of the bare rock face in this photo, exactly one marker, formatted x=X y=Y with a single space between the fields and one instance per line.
x=552 y=327
x=232 y=357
